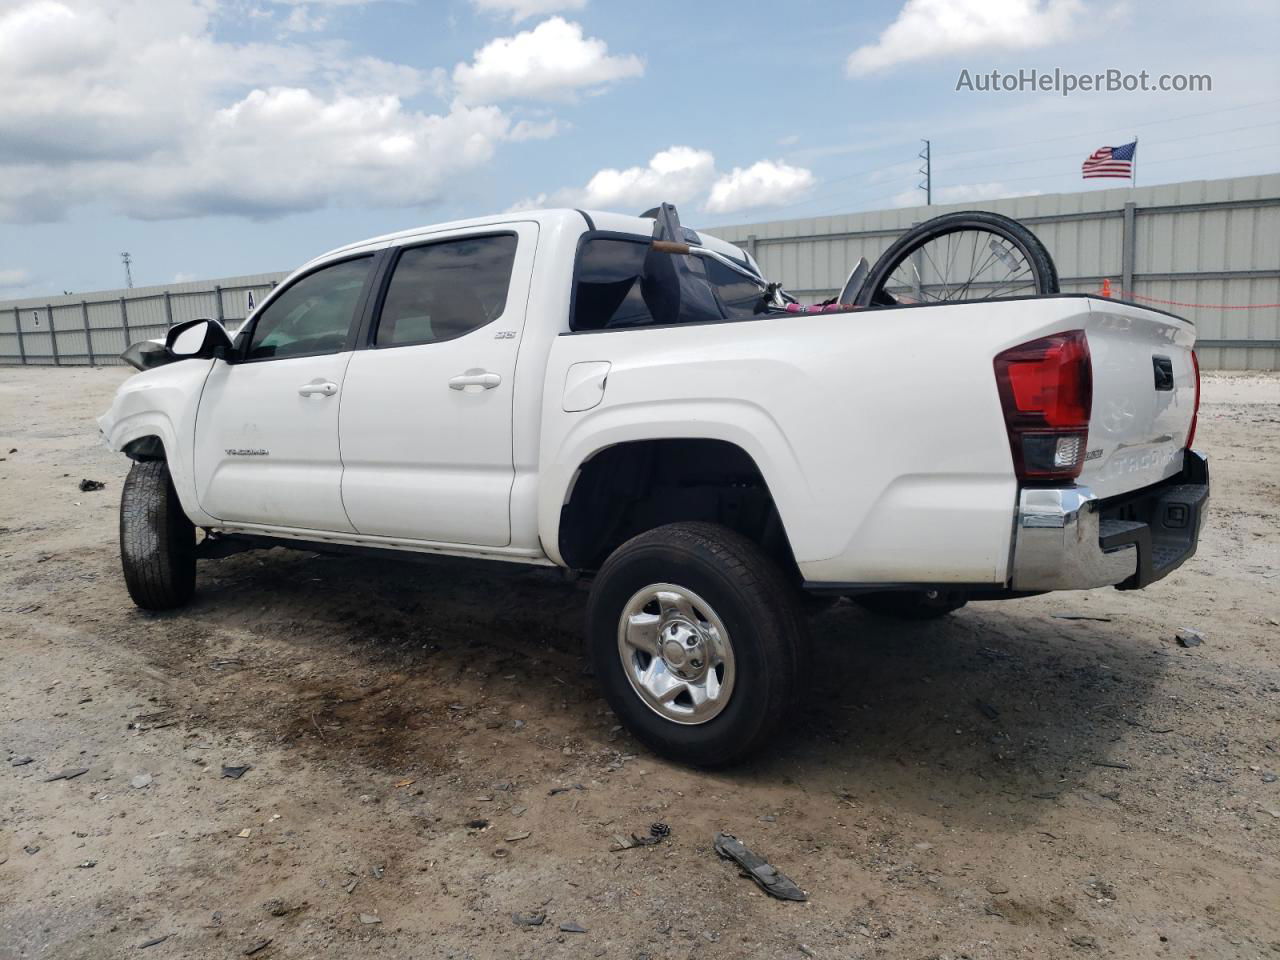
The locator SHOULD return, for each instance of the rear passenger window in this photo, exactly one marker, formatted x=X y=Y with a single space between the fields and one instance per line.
x=445 y=290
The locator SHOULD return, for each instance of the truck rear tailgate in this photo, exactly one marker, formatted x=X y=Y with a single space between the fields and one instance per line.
x=1144 y=396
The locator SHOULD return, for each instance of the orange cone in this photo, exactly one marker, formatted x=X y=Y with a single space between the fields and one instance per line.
x=1106 y=287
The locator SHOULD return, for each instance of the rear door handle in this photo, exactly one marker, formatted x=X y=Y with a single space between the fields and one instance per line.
x=475 y=378
x=325 y=388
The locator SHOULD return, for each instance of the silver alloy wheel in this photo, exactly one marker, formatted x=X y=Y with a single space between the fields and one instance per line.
x=676 y=653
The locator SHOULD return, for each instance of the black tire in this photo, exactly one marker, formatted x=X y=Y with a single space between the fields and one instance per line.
x=759 y=609
x=912 y=604
x=157 y=541
x=1044 y=272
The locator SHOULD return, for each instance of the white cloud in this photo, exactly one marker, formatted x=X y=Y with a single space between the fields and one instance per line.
x=682 y=175
x=765 y=183
x=928 y=29
x=322 y=150
x=139 y=105
x=14 y=277
x=519 y=10
x=677 y=174
x=553 y=61
x=536 y=129
x=302 y=20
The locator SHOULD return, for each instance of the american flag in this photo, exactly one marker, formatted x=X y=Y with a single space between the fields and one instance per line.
x=1115 y=162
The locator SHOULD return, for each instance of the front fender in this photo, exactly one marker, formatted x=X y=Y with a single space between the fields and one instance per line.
x=163 y=403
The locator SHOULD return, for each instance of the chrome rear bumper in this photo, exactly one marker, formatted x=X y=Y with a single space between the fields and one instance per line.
x=1068 y=539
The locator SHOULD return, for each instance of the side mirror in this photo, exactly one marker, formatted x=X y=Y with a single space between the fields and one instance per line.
x=200 y=339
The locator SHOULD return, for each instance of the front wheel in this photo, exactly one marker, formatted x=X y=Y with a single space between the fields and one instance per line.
x=157 y=541
x=696 y=639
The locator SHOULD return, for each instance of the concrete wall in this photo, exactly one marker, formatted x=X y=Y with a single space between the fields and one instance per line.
x=1203 y=242
x=96 y=327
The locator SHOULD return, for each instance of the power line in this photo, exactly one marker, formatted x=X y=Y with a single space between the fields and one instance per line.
x=1123 y=126
x=1059 y=156
x=883 y=168
x=926 y=171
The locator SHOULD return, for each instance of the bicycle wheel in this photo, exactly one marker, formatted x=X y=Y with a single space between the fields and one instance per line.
x=969 y=255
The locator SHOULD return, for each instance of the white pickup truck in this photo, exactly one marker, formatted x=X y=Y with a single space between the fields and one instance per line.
x=621 y=396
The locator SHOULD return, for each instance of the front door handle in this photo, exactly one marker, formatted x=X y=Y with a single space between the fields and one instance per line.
x=325 y=388
x=475 y=378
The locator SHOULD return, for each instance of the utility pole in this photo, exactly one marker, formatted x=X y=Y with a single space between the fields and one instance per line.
x=128 y=274
x=926 y=171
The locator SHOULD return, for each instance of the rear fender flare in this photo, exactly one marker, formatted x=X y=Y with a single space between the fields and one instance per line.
x=746 y=426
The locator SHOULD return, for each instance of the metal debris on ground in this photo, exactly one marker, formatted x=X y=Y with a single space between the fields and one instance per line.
x=154 y=941
x=88 y=486
x=141 y=781
x=86 y=864
x=368 y=918
x=657 y=833
x=529 y=920
x=257 y=946
x=572 y=927
x=235 y=773
x=1113 y=764
x=21 y=761
x=1079 y=616
x=522 y=835
x=1187 y=637
x=68 y=774
x=554 y=791
x=767 y=876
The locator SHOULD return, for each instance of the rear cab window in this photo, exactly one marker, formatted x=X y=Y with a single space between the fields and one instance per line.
x=620 y=282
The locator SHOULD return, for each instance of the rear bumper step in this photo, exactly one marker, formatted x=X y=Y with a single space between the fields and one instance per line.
x=1068 y=539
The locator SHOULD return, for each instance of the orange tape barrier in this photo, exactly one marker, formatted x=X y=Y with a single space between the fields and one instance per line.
x=1106 y=291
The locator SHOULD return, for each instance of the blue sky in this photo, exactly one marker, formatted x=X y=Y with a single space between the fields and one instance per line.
x=218 y=137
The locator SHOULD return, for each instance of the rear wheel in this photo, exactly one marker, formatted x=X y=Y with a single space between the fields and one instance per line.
x=157 y=541
x=696 y=638
x=912 y=604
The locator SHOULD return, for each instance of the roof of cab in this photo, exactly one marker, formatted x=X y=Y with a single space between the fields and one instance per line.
x=588 y=219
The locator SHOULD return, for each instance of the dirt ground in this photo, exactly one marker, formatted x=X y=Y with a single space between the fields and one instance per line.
x=1005 y=783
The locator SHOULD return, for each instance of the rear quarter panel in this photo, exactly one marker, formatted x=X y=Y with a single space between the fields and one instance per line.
x=879 y=433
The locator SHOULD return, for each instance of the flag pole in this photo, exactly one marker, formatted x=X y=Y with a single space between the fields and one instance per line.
x=1133 y=169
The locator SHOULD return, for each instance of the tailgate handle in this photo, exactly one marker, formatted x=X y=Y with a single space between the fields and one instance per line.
x=1163 y=367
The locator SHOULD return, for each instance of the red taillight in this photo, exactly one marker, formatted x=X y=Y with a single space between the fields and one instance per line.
x=1195 y=411
x=1046 y=389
